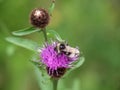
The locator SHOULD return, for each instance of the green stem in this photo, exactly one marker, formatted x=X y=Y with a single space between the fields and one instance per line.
x=45 y=34
x=55 y=84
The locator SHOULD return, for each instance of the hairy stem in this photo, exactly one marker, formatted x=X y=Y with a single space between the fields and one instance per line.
x=45 y=34
x=55 y=84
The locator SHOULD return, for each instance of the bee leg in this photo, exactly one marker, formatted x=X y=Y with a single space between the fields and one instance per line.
x=68 y=53
x=63 y=52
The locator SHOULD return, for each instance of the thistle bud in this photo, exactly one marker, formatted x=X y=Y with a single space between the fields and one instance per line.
x=39 y=18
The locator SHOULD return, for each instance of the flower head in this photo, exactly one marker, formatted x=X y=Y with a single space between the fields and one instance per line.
x=56 y=63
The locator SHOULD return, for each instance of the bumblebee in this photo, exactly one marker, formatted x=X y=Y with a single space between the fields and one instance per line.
x=63 y=47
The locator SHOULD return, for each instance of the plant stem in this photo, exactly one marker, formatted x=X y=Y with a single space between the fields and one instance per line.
x=45 y=34
x=55 y=83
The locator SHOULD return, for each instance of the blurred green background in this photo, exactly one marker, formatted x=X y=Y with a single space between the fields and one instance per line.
x=93 y=25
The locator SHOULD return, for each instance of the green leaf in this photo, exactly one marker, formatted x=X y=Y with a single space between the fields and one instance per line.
x=25 y=31
x=54 y=34
x=28 y=44
x=35 y=59
x=76 y=84
x=52 y=7
x=75 y=65
x=44 y=81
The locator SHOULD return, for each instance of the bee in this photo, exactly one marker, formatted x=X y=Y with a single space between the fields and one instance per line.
x=63 y=47
x=72 y=52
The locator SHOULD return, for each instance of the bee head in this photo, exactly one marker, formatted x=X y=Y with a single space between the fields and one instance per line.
x=62 y=46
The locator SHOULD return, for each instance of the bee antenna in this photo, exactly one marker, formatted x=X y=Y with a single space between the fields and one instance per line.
x=66 y=43
x=77 y=47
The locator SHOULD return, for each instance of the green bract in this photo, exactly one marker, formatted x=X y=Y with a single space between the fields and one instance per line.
x=25 y=31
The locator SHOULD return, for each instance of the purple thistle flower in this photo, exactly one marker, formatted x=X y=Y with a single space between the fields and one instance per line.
x=56 y=63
